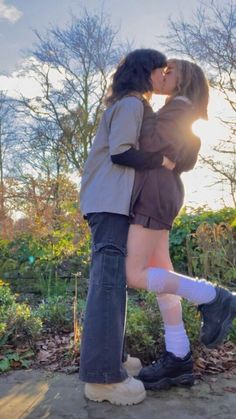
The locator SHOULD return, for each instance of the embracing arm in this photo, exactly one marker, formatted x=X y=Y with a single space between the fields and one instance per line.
x=138 y=159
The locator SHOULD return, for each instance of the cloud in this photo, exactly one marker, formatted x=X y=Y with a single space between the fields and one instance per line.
x=23 y=82
x=10 y=13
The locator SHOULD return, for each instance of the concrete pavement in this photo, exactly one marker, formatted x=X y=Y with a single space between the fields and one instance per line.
x=38 y=394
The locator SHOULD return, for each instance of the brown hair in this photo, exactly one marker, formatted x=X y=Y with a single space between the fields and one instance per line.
x=192 y=83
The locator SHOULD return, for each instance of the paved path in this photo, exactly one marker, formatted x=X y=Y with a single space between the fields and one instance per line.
x=35 y=394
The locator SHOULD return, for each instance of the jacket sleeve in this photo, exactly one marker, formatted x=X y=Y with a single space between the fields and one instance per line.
x=138 y=159
x=125 y=125
x=189 y=155
x=124 y=131
x=171 y=134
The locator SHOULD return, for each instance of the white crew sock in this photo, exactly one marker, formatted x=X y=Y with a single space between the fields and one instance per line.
x=197 y=291
x=176 y=340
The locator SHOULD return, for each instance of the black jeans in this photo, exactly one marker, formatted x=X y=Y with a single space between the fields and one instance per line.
x=104 y=324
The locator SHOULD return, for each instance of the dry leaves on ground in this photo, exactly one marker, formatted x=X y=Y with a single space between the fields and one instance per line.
x=215 y=361
x=55 y=353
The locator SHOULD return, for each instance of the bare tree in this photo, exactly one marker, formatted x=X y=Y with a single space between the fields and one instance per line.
x=210 y=39
x=72 y=66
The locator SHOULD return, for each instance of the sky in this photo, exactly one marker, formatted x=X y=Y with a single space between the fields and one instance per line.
x=139 y=21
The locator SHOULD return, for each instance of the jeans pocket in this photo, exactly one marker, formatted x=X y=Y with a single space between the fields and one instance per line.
x=108 y=265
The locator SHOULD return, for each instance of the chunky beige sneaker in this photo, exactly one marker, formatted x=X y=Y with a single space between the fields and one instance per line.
x=128 y=392
x=132 y=366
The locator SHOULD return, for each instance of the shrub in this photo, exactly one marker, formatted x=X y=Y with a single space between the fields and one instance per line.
x=22 y=325
x=186 y=224
x=6 y=297
x=18 y=323
x=211 y=253
x=56 y=312
x=192 y=321
x=144 y=326
x=48 y=262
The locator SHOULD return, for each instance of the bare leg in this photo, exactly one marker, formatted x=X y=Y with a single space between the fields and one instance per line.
x=150 y=248
x=176 y=339
x=169 y=305
x=141 y=247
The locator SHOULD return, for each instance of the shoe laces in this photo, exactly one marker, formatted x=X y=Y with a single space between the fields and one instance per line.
x=160 y=361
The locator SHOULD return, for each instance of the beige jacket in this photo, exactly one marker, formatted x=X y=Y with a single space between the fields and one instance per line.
x=107 y=187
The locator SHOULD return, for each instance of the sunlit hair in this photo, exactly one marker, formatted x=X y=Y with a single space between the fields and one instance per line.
x=192 y=83
x=133 y=74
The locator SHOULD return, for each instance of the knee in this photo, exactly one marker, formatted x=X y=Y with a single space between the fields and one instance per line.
x=110 y=249
x=168 y=301
x=132 y=277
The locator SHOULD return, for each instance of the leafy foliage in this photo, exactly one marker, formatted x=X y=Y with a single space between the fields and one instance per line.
x=18 y=323
x=56 y=313
x=143 y=331
x=183 y=239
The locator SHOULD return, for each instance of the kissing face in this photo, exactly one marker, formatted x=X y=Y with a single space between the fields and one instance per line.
x=157 y=78
x=170 y=79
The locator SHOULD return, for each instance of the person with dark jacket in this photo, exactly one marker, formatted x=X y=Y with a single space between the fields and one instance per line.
x=159 y=193
x=156 y=199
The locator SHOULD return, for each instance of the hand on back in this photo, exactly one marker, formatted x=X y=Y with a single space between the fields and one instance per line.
x=168 y=164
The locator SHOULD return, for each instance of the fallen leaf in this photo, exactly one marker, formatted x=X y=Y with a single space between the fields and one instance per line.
x=230 y=389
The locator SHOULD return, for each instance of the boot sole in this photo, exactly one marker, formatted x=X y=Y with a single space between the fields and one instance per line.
x=186 y=380
x=226 y=326
x=119 y=400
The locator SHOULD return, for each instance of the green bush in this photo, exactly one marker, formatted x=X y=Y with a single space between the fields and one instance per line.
x=18 y=323
x=48 y=263
x=13 y=359
x=211 y=253
x=6 y=297
x=192 y=321
x=57 y=313
x=185 y=226
x=144 y=335
x=22 y=325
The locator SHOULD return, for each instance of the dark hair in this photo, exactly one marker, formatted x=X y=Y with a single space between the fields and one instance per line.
x=133 y=74
x=193 y=84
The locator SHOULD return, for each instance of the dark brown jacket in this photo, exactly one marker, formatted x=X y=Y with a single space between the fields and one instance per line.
x=159 y=193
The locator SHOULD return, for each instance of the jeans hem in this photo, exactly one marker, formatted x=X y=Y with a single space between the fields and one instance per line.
x=103 y=378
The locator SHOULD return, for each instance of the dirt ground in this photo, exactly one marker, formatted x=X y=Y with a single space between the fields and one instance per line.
x=35 y=394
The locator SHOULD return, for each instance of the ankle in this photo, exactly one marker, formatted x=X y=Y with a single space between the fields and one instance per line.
x=176 y=340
